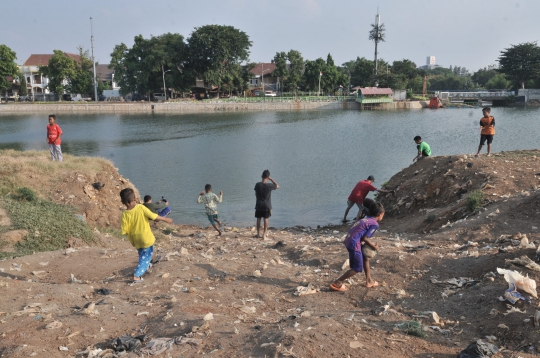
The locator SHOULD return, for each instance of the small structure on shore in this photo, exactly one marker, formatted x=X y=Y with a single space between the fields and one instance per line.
x=374 y=97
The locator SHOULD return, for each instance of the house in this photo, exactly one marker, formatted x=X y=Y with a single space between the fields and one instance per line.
x=105 y=74
x=12 y=93
x=36 y=83
x=371 y=95
x=262 y=75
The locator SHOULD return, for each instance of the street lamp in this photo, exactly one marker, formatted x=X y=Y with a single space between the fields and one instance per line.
x=164 y=88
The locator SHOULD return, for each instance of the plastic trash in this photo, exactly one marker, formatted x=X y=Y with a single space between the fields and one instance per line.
x=525 y=261
x=521 y=282
x=209 y=316
x=127 y=343
x=511 y=295
x=479 y=349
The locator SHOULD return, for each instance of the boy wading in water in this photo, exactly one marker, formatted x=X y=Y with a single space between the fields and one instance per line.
x=361 y=248
x=210 y=199
x=135 y=225
x=263 y=206
x=54 y=138
x=487 y=131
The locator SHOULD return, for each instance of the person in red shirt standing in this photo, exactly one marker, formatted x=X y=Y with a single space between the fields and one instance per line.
x=487 y=131
x=54 y=134
x=359 y=193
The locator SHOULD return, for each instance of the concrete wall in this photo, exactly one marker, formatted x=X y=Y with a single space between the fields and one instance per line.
x=530 y=94
x=173 y=107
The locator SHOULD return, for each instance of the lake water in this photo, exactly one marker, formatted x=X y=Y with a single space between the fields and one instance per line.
x=316 y=156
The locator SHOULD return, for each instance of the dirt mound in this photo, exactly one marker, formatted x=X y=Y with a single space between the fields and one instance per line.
x=90 y=185
x=434 y=191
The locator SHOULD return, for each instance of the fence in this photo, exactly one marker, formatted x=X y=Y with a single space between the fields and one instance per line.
x=284 y=99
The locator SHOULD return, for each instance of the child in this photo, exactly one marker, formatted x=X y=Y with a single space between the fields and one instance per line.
x=135 y=225
x=423 y=148
x=210 y=199
x=54 y=134
x=361 y=248
x=487 y=131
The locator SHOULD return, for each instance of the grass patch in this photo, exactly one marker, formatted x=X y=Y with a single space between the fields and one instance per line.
x=412 y=328
x=474 y=200
x=49 y=225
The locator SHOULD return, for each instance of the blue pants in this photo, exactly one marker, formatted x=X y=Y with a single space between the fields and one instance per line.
x=164 y=212
x=145 y=256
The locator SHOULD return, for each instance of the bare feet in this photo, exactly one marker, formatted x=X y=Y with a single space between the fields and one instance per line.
x=219 y=233
x=372 y=284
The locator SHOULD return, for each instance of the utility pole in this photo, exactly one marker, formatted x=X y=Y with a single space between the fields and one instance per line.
x=93 y=60
x=320 y=75
x=262 y=78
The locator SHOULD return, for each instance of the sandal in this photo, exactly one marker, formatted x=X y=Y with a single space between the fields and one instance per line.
x=341 y=288
x=374 y=284
x=139 y=280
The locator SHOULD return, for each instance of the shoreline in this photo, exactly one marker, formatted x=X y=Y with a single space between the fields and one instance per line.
x=199 y=107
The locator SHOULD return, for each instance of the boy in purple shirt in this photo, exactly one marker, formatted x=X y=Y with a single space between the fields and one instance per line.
x=361 y=248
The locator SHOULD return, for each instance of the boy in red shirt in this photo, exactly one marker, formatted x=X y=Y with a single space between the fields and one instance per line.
x=359 y=193
x=54 y=134
x=487 y=131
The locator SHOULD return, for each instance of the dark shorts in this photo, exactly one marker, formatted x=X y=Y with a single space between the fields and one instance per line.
x=484 y=137
x=263 y=214
x=356 y=261
x=211 y=218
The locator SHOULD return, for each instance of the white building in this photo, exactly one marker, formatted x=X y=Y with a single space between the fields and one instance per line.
x=430 y=63
x=35 y=82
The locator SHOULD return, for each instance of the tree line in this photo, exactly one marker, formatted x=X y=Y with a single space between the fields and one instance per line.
x=219 y=56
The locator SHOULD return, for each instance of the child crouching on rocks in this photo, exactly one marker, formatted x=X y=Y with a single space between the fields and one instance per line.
x=135 y=224
x=361 y=248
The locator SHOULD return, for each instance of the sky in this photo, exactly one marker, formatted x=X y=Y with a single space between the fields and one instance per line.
x=463 y=33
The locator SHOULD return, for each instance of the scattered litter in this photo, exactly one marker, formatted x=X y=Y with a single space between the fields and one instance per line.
x=502 y=325
x=208 y=317
x=524 y=261
x=54 y=325
x=257 y=273
x=145 y=313
x=511 y=295
x=345 y=264
x=74 y=279
x=165 y=275
x=512 y=309
x=127 y=343
x=61 y=348
x=267 y=344
x=90 y=309
x=356 y=344
x=247 y=309
x=44 y=263
x=37 y=273
x=479 y=349
x=537 y=318
x=350 y=318
x=103 y=291
x=521 y=282
x=305 y=290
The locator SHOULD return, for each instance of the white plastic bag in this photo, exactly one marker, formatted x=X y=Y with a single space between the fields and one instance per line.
x=521 y=282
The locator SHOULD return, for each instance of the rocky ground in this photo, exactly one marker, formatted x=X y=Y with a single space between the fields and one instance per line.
x=238 y=296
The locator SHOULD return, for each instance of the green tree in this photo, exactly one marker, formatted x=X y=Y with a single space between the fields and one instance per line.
x=102 y=86
x=312 y=73
x=8 y=67
x=23 y=91
x=483 y=75
x=498 y=81
x=59 y=69
x=405 y=67
x=296 y=69
x=361 y=71
x=81 y=79
x=214 y=50
x=281 y=72
x=521 y=62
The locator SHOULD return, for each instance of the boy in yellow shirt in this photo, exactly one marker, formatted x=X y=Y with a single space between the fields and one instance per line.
x=135 y=225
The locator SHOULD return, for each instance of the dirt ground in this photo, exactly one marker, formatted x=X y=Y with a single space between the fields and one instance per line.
x=248 y=289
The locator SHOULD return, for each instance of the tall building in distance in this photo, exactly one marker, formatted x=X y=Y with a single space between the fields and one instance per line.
x=430 y=63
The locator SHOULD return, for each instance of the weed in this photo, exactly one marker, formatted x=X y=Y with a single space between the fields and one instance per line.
x=431 y=218
x=49 y=226
x=412 y=328
x=25 y=194
x=474 y=200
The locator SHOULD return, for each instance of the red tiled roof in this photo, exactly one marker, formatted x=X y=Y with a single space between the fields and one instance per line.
x=375 y=91
x=267 y=67
x=43 y=60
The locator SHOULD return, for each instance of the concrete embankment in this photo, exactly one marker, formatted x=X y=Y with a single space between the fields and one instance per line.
x=191 y=107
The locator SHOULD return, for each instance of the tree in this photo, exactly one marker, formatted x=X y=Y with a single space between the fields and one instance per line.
x=8 y=67
x=483 y=75
x=23 y=91
x=405 y=67
x=521 y=62
x=360 y=70
x=214 y=50
x=281 y=71
x=81 y=79
x=296 y=69
x=141 y=68
x=498 y=81
x=312 y=73
x=59 y=69
x=377 y=34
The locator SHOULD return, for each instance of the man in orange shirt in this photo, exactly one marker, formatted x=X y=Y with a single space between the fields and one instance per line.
x=54 y=134
x=487 y=130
